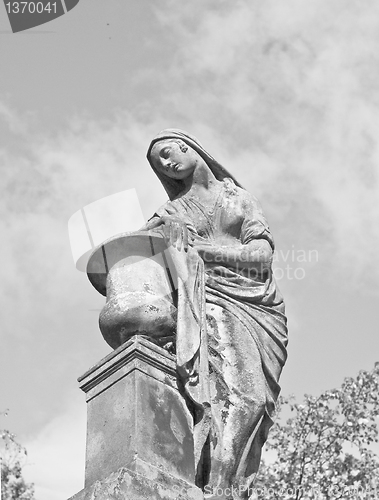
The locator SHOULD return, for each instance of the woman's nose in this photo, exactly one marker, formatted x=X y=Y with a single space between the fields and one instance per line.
x=166 y=162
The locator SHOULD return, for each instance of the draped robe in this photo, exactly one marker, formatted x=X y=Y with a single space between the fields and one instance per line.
x=231 y=339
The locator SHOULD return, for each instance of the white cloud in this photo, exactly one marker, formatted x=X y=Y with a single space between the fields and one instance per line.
x=12 y=119
x=49 y=321
x=283 y=94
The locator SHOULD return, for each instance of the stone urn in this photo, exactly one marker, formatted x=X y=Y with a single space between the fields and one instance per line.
x=135 y=273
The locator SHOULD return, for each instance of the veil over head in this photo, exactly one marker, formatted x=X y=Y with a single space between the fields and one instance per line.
x=172 y=186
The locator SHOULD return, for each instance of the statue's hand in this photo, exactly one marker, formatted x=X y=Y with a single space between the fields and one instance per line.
x=175 y=231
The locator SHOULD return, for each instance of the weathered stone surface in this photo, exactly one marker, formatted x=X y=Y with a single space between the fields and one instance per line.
x=243 y=335
x=132 y=271
x=151 y=484
x=229 y=327
x=136 y=414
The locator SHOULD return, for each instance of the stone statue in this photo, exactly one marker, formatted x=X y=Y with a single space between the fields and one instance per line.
x=197 y=281
x=231 y=332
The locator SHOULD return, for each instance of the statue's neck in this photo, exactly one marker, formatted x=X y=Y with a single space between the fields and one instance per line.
x=202 y=183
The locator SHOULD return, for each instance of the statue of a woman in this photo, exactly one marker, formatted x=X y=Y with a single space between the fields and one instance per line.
x=231 y=330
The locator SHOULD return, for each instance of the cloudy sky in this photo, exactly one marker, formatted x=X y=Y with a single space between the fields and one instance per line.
x=283 y=93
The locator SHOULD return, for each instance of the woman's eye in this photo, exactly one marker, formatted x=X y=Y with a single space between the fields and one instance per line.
x=165 y=153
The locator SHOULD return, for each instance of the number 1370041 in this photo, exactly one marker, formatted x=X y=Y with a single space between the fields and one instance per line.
x=31 y=7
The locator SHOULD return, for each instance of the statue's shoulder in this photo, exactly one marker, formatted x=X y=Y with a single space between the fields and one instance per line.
x=249 y=201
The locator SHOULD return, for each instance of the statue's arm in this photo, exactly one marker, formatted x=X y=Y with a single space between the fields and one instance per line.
x=253 y=249
x=257 y=254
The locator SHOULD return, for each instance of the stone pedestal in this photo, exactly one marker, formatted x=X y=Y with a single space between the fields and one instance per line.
x=139 y=430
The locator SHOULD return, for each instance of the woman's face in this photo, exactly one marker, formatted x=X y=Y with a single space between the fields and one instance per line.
x=177 y=161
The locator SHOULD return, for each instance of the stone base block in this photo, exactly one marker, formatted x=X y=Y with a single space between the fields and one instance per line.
x=148 y=483
x=139 y=429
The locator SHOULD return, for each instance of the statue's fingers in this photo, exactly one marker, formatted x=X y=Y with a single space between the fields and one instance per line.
x=179 y=243
x=184 y=237
x=177 y=236
x=172 y=234
x=154 y=223
x=166 y=232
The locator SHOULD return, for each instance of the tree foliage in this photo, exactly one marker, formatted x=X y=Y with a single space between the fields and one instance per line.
x=324 y=446
x=13 y=456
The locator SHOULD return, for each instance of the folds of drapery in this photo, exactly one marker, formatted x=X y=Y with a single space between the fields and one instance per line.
x=198 y=286
x=253 y=300
x=191 y=341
